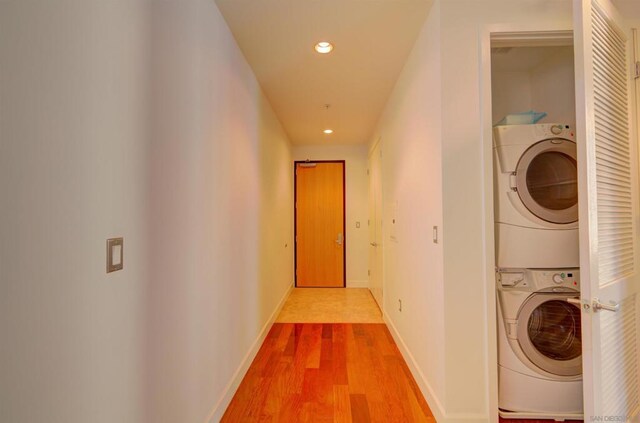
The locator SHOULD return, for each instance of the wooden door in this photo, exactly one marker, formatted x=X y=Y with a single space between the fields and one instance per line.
x=375 y=223
x=608 y=204
x=320 y=240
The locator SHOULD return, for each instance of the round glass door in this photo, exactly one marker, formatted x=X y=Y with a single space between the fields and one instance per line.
x=547 y=180
x=549 y=333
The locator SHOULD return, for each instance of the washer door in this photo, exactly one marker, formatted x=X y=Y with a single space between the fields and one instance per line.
x=549 y=333
x=547 y=180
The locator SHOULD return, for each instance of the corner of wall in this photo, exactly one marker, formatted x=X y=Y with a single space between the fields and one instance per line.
x=231 y=388
x=354 y=283
x=427 y=390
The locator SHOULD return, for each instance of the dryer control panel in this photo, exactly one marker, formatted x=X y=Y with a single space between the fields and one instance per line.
x=555 y=130
x=533 y=280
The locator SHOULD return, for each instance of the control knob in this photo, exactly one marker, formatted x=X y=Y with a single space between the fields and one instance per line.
x=557 y=278
x=556 y=129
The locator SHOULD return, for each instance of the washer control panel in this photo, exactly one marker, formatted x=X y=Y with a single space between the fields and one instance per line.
x=539 y=279
x=565 y=278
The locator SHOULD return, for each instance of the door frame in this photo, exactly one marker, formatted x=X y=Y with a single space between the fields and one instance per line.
x=377 y=144
x=295 y=219
x=521 y=35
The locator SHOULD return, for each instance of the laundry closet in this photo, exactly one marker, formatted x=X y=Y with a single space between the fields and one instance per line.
x=536 y=232
x=533 y=78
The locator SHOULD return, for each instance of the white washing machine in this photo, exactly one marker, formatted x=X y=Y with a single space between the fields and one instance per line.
x=536 y=196
x=539 y=344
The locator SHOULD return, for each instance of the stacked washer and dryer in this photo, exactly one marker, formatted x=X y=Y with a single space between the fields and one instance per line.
x=537 y=259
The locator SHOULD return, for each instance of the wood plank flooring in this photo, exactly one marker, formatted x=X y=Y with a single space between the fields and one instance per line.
x=328 y=372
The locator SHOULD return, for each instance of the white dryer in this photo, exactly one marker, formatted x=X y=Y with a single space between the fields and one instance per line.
x=539 y=344
x=536 y=196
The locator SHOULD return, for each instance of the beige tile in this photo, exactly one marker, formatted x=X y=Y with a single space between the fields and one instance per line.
x=330 y=305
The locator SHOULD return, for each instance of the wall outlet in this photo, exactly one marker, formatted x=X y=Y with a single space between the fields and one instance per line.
x=115 y=254
x=399 y=305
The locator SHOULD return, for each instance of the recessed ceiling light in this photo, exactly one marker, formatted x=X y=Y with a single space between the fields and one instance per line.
x=328 y=131
x=324 y=47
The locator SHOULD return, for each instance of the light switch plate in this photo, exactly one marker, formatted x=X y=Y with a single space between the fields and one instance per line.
x=115 y=254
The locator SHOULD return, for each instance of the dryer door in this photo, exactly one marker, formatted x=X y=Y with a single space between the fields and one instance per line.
x=549 y=333
x=547 y=180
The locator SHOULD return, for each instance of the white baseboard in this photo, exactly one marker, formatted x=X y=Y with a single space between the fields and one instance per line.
x=425 y=387
x=354 y=283
x=432 y=399
x=221 y=406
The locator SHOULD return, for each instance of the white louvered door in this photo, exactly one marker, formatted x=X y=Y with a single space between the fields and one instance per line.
x=608 y=190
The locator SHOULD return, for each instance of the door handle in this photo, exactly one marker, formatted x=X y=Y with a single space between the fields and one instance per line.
x=339 y=240
x=595 y=304
x=612 y=306
x=373 y=244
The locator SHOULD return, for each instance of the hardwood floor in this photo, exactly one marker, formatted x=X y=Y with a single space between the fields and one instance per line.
x=328 y=372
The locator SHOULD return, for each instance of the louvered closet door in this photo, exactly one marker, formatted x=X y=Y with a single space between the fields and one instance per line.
x=608 y=212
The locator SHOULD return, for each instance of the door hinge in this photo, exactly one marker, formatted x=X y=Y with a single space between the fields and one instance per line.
x=367 y=171
x=369 y=272
x=513 y=182
x=637 y=69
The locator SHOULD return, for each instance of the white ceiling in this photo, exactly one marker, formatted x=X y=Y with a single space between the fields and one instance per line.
x=518 y=59
x=372 y=40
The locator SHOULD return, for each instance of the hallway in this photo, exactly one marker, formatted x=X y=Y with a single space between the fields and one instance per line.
x=329 y=358
x=337 y=371
x=340 y=372
x=148 y=241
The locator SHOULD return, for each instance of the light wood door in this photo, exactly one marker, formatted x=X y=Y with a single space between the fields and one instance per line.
x=320 y=240
x=375 y=223
x=607 y=165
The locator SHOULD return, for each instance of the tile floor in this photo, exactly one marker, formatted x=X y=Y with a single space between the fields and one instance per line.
x=330 y=305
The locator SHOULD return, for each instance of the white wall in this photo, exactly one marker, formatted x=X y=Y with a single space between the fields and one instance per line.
x=553 y=87
x=410 y=128
x=464 y=185
x=222 y=214
x=357 y=206
x=433 y=155
x=73 y=172
x=546 y=87
x=510 y=93
x=142 y=120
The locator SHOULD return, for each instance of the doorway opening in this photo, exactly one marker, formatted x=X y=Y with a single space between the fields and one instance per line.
x=535 y=226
